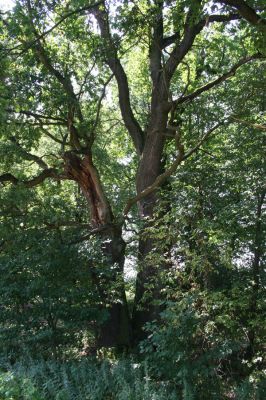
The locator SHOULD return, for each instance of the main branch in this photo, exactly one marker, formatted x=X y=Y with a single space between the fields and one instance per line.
x=191 y=30
x=115 y=65
x=246 y=12
x=47 y=173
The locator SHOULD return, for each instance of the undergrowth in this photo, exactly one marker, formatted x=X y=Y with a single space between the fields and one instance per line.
x=101 y=380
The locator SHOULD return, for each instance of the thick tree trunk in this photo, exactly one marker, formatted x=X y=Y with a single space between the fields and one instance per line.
x=116 y=330
x=150 y=167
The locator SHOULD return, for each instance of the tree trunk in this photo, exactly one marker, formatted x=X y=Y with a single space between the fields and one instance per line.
x=150 y=167
x=116 y=330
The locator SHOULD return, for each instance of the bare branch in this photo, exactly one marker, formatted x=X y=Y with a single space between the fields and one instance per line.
x=221 y=18
x=73 y=103
x=27 y=123
x=50 y=135
x=167 y=41
x=95 y=231
x=209 y=154
x=188 y=79
x=66 y=224
x=161 y=178
x=88 y=73
x=8 y=178
x=65 y=82
x=47 y=173
x=40 y=117
x=182 y=48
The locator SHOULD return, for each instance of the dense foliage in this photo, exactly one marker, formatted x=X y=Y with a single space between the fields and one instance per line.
x=132 y=192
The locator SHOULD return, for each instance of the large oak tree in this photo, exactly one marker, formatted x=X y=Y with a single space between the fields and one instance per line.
x=60 y=61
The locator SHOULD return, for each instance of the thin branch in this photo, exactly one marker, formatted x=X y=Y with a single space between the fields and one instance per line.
x=62 y=19
x=47 y=173
x=167 y=41
x=50 y=135
x=99 y=105
x=85 y=81
x=261 y=127
x=65 y=82
x=217 y=81
x=203 y=139
x=27 y=155
x=188 y=79
x=39 y=117
x=91 y=233
x=209 y=154
x=73 y=103
x=221 y=18
x=26 y=123
x=161 y=178
x=182 y=47
x=67 y=224
x=36 y=115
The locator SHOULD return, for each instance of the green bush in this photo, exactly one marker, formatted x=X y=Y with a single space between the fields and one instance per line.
x=199 y=347
x=13 y=387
